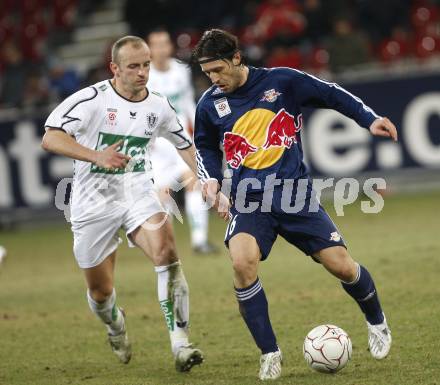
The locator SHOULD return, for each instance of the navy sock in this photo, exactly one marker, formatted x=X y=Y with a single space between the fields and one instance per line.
x=364 y=292
x=253 y=307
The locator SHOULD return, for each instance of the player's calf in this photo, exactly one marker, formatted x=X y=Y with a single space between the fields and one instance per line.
x=173 y=298
x=120 y=343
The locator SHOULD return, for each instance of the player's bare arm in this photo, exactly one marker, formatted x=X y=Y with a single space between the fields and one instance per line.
x=384 y=127
x=189 y=156
x=59 y=142
x=215 y=199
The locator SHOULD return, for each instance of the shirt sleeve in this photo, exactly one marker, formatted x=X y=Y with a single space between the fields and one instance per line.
x=208 y=154
x=73 y=113
x=314 y=92
x=172 y=130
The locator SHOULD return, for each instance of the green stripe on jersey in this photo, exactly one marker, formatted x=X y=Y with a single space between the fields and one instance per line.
x=133 y=146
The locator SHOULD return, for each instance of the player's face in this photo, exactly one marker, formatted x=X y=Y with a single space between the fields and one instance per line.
x=133 y=68
x=225 y=74
x=160 y=46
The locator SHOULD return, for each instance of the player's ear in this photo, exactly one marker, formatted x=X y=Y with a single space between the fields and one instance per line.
x=113 y=68
x=236 y=59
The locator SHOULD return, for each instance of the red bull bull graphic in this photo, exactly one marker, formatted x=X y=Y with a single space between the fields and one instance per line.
x=259 y=138
x=282 y=130
x=237 y=148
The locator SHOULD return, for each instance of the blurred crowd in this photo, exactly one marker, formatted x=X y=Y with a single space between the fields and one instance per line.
x=322 y=37
x=30 y=33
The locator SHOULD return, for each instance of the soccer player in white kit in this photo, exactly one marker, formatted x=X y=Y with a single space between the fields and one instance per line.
x=173 y=80
x=107 y=129
x=3 y=253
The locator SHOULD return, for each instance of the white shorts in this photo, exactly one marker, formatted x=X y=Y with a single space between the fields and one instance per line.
x=168 y=166
x=95 y=238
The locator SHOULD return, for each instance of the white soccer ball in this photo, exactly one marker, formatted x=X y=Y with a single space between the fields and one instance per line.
x=327 y=348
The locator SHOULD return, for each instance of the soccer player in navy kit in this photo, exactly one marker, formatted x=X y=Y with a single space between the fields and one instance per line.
x=255 y=113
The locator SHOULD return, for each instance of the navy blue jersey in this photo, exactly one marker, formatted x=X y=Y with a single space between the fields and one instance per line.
x=258 y=125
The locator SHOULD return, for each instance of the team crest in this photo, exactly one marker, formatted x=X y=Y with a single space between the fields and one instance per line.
x=335 y=236
x=152 y=119
x=270 y=96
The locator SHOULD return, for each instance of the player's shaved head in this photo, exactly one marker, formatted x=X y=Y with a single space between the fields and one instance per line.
x=134 y=41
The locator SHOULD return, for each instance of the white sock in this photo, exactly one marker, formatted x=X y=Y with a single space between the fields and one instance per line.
x=172 y=290
x=197 y=213
x=108 y=313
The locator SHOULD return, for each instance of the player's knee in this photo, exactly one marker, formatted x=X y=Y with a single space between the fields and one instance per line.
x=347 y=272
x=100 y=293
x=338 y=261
x=345 y=268
x=244 y=266
x=165 y=254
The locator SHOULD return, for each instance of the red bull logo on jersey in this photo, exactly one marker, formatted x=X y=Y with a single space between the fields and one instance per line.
x=237 y=148
x=282 y=130
x=260 y=137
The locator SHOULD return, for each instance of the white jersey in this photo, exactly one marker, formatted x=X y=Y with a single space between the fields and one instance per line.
x=176 y=85
x=98 y=117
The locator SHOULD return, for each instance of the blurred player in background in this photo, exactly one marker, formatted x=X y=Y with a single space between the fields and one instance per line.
x=173 y=80
x=256 y=113
x=2 y=253
x=106 y=129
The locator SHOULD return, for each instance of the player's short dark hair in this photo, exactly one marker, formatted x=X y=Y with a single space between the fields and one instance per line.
x=215 y=44
x=159 y=29
x=118 y=44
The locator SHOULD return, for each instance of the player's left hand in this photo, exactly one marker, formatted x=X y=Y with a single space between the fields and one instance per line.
x=384 y=127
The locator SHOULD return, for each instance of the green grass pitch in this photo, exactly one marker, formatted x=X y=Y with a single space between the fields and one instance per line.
x=49 y=336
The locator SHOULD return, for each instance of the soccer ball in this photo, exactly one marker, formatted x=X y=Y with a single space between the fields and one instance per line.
x=327 y=348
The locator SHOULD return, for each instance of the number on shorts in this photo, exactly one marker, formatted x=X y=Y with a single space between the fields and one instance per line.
x=231 y=226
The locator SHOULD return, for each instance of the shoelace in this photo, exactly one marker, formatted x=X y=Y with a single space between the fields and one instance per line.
x=378 y=338
x=269 y=362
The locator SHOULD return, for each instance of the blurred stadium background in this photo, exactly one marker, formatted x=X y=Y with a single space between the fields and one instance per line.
x=389 y=55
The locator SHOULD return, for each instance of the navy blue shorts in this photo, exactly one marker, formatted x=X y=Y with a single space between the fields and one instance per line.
x=309 y=232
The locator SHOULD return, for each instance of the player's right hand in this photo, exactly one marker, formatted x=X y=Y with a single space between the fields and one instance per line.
x=216 y=199
x=222 y=206
x=111 y=159
x=210 y=189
